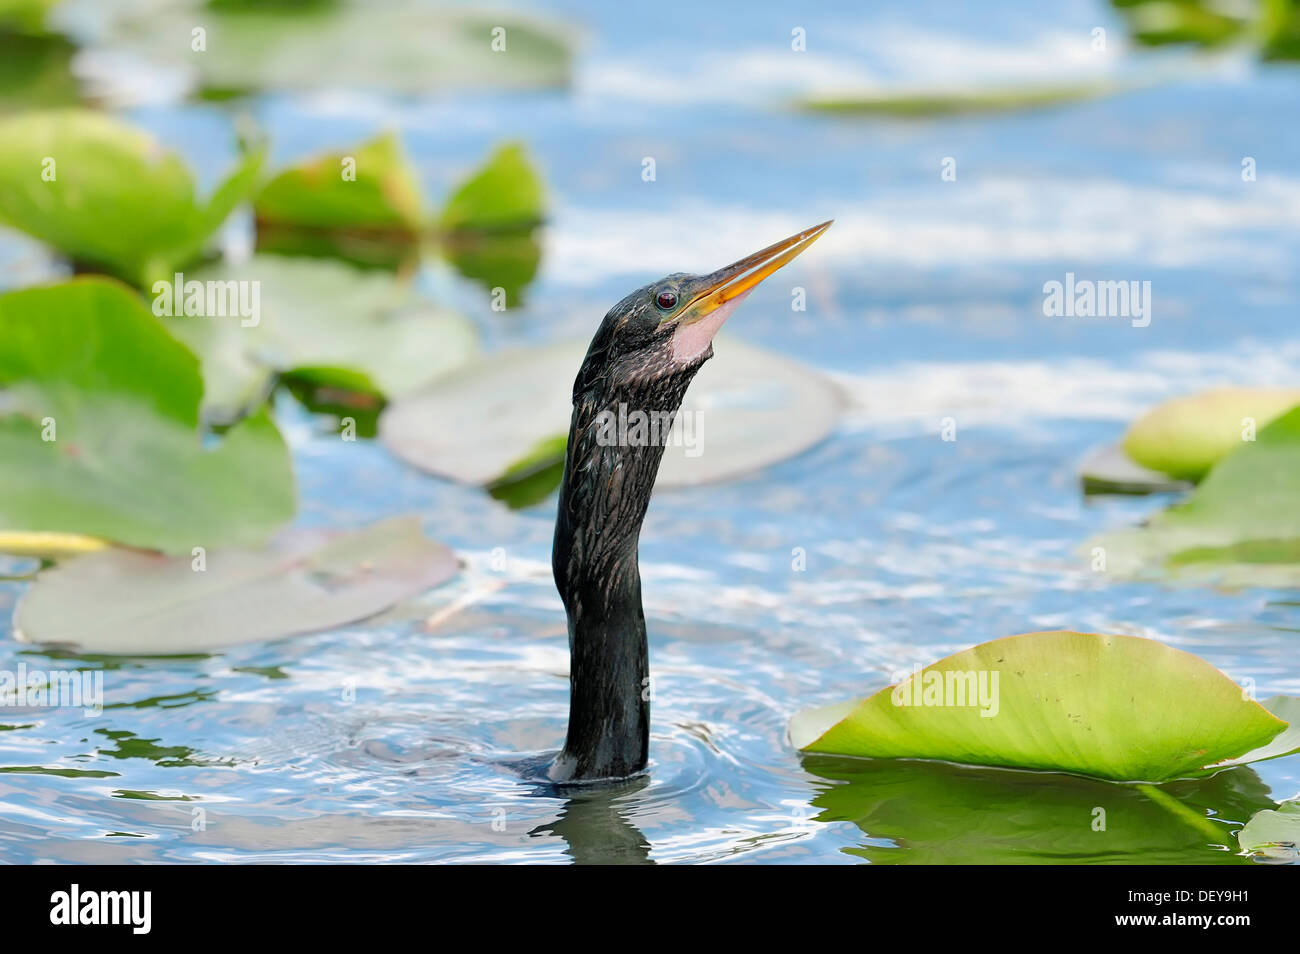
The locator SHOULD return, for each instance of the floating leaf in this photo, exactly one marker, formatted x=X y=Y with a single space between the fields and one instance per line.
x=370 y=188
x=100 y=436
x=131 y=602
x=1273 y=835
x=506 y=192
x=531 y=479
x=107 y=195
x=1109 y=470
x=489 y=220
x=751 y=408
x=325 y=321
x=1241 y=526
x=927 y=813
x=399 y=46
x=1187 y=436
x=1110 y=707
x=929 y=104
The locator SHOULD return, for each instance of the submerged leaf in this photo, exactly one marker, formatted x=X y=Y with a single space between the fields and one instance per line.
x=748 y=408
x=107 y=195
x=1111 y=707
x=101 y=438
x=1273 y=835
x=131 y=602
x=1187 y=436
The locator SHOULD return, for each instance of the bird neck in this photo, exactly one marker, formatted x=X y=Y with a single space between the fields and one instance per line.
x=603 y=499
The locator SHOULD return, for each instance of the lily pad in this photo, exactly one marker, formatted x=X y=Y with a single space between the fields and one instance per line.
x=504 y=193
x=1240 y=527
x=369 y=188
x=489 y=222
x=99 y=435
x=376 y=219
x=1112 y=707
x=395 y=46
x=925 y=104
x=1187 y=436
x=333 y=323
x=1273 y=835
x=131 y=602
x=107 y=195
x=752 y=408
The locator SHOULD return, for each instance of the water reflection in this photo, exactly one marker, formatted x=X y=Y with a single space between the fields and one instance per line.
x=596 y=825
x=917 y=812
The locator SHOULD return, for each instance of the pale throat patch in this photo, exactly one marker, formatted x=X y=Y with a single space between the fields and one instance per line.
x=690 y=341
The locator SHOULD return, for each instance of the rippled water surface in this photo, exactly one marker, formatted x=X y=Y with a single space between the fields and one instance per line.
x=391 y=740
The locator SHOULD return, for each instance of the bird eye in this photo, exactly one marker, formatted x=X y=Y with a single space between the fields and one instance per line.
x=666 y=300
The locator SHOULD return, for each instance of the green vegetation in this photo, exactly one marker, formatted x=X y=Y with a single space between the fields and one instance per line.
x=108 y=196
x=1110 y=707
x=1241 y=526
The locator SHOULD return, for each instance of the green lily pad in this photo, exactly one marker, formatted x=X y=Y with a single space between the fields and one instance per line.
x=1240 y=527
x=1273 y=835
x=131 y=602
x=504 y=193
x=1187 y=436
x=1111 y=707
x=377 y=219
x=489 y=222
x=326 y=321
x=86 y=364
x=931 y=813
x=926 y=104
x=396 y=46
x=370 y=188
x=754 y=408
x=117 y=201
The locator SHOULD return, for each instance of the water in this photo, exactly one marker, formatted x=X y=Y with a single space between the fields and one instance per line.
x=388 y=740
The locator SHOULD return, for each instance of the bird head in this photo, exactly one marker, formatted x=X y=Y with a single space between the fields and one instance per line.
x=664 y=331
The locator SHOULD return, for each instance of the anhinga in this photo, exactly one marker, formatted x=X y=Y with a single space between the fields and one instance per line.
x=643 y=357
